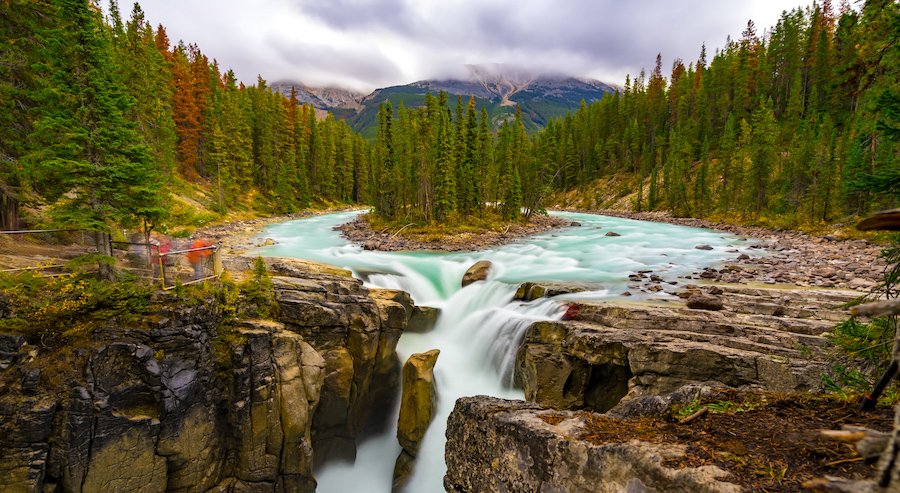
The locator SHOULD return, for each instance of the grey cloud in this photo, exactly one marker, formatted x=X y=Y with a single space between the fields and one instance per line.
x=603 y=38
x=354 y=67
x=354 y=14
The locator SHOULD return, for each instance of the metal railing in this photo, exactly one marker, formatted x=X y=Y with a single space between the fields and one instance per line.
x=152 y=262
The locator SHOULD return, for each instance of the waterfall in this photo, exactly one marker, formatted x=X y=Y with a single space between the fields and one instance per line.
x=481 y=326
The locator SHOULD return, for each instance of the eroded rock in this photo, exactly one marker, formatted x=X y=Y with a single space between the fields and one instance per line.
x=608 y=351
x=499 y=445
x=529 y=291
x=477 y=272
x=417 y=406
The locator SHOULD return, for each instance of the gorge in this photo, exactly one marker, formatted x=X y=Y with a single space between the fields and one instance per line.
x=481 y=326
x=607 y=315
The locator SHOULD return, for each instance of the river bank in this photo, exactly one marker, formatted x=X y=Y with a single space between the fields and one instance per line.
x=360 y=232
x=786 y=256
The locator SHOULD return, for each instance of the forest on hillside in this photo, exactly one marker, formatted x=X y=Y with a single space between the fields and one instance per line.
x=800 y=121
x=105 y=119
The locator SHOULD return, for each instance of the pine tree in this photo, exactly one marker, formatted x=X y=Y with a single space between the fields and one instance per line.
x=89 y=148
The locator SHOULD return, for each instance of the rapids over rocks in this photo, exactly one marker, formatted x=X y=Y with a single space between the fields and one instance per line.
x=481 y=326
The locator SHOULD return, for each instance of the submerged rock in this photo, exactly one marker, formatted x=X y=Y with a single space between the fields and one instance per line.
x=478 y=272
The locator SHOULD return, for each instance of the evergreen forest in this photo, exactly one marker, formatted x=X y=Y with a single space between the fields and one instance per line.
x=106 y=121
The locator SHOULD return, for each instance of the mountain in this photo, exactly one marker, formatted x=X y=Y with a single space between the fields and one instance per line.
x=344 y=103
x=497 y=88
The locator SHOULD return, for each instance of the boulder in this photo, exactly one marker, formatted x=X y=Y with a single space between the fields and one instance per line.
x=529 y=291
x=703 y=247
x=612 y=233
x=477 y=272
x=423 y=319
x=500 y=445
x=700 y=301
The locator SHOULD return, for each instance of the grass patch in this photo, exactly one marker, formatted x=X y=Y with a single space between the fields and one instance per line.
x=54 y=310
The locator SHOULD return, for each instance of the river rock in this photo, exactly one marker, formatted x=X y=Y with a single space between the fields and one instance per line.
x=529 y=291
x=500 y=445
x=477 y=272
x=700 y=301
x=703 y=247
x=612 y=234
x=417 y=406
x=423 y=319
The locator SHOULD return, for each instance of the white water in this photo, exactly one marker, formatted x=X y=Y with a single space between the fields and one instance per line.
x=480 y=327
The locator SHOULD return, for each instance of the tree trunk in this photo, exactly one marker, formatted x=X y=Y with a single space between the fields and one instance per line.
x=106 y=269
x=9 y=212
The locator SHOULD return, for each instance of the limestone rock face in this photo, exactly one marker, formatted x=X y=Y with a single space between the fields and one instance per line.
x=499 y=445
x=148 y=410
x=607 y=351
x=356 y=331
x=478 y=272
x=183 y=404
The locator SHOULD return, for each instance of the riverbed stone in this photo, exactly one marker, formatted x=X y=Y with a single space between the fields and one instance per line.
x=477 y=272
x=418 y=399
x=529 y=291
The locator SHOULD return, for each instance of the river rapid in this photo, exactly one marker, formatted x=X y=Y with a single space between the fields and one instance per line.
x=480 y=326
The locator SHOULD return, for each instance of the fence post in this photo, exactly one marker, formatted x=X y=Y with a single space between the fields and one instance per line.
x=217 y=260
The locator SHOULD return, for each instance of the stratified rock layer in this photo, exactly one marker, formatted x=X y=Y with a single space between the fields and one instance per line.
x=182 y=403
x=499 y=445
x=770 y=338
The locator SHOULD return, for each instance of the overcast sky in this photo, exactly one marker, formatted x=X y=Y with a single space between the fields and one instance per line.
x=364 y=44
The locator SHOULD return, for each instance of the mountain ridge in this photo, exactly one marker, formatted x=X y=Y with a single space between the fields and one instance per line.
x=499 y=89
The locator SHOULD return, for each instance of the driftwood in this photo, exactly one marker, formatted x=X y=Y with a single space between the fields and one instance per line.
x=702 y=411
x=877 y=308
x=868 y=443
x=884 y=220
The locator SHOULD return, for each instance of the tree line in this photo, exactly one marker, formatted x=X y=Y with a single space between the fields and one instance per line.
x=103 y=117
x=801 y=122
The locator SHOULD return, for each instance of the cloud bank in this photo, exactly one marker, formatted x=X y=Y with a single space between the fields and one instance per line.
x=363 y=44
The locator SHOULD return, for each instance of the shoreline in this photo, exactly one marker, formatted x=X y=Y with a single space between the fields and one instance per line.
x=791 y=257
x=360 y=233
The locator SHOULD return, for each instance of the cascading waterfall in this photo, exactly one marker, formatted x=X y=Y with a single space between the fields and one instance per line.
x=481 y=326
